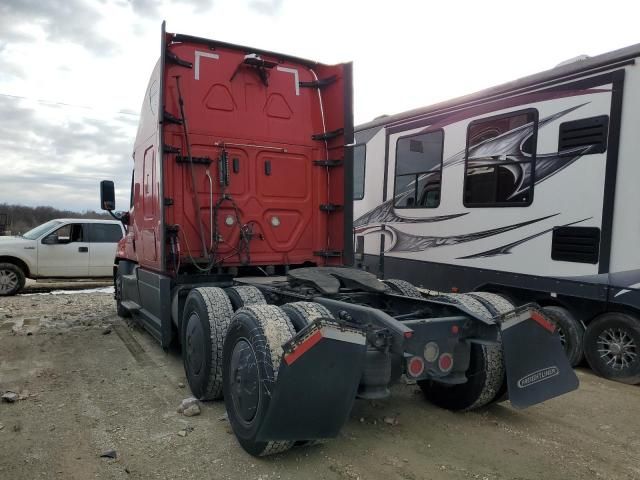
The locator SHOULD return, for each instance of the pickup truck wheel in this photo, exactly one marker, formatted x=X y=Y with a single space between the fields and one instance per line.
x=302 y=314
x=612 y=347
x=402 y=287
x=205 y=320
x=12 y=279
x=485 y=375
x=243 y=295
x=570 y=330
x=252 y=354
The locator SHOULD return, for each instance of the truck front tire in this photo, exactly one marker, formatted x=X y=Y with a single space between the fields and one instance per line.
x=12 y=279
x=206 y=317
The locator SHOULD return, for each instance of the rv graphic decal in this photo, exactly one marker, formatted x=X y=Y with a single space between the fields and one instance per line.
x=406 y=242
x=506 y=249
x=501 y=148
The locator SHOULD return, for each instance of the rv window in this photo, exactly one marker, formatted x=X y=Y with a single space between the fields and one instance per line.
x=359 y=160
x=418 y=170
x=500 y=159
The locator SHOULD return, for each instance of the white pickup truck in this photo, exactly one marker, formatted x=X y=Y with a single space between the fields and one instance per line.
x=61 y=248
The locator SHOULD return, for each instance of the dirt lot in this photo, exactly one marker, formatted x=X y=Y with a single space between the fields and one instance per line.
x=90 y=383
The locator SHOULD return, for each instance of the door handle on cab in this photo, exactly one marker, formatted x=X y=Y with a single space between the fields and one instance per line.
x=83 y=249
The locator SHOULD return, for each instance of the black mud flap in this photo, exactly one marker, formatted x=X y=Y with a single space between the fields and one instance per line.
x=537 y=367
x=317 y=383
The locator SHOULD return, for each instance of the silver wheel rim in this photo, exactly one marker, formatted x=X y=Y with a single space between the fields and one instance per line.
x=617 y=348
x=8 y=281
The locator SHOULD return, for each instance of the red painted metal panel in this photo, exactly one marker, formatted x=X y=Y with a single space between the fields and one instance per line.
x=264 y=126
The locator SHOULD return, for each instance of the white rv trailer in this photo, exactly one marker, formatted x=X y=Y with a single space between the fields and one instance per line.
x=530 y=189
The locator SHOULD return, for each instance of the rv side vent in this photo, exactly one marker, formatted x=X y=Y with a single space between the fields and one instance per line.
x=587 y=132
x=576 y=244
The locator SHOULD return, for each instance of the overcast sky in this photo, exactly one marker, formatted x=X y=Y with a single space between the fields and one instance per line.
x=73 y=72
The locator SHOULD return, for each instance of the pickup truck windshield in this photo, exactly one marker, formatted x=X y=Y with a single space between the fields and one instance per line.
x=40 y=229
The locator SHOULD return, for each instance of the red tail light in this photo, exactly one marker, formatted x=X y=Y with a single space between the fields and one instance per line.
x=445 y=362
x=415 y=366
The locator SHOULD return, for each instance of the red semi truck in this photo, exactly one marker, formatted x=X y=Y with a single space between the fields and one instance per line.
x=238 y=247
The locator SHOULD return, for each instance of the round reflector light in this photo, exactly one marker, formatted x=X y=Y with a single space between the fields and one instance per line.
x=445 y=362
x=416 y=366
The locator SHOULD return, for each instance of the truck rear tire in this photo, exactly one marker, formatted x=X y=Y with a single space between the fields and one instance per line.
x=612 y=347
x=252 y=354
x=244 y=295
x=500 y=305
x=484 y=379
x=12 y=279
x=302 y=314
x=570 y=330
x=206 y=317
x=402 y=287
x=485 y=375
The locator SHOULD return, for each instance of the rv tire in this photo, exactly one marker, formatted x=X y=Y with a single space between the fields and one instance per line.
x=570 y=330
x=612 y=347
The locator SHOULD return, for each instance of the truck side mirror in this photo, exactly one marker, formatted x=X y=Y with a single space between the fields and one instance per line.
x=50 y=239
x=107 y=195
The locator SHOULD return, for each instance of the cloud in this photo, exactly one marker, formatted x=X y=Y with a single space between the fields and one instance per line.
x=72 y=21
x=57 y=156
x=266 y=7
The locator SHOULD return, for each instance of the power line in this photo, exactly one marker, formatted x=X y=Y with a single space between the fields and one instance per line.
x=63 y=104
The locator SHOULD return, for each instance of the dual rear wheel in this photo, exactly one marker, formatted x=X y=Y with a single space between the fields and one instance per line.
x=232 y=347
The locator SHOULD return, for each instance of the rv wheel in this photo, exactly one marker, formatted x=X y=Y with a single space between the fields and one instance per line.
x=485 y=375
x=612 y=347
x=205 y=320
x=302 y=314
x=402 y=287
x=243 y=295
x=570 y=330
x=252 y=354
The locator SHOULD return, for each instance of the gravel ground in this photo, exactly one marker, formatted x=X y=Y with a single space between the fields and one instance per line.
x=89 y=383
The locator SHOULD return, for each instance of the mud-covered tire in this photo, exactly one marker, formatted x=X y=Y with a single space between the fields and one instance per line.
x=244 y=295
x=498 y=305
x=12 y=279
x=302 y=314
x=206 y=317
x=117 y=286
x=252 y=354
x=601 y=333
x=402 y=287
x=570 y=330
x=485 y=375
